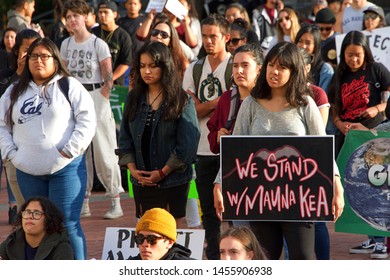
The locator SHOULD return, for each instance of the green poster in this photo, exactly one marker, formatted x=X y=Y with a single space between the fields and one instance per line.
x=364 y=163
x=117 y=98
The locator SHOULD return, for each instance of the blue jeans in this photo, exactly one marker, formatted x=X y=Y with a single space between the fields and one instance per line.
x=66 y=188
x=322 y=242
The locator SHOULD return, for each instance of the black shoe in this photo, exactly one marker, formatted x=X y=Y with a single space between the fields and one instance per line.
x=12 y=215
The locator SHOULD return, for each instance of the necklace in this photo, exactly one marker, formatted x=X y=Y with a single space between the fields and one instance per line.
x=150 y=111
x=159 y=93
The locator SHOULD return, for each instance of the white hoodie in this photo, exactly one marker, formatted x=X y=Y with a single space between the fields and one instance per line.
x=44 y=125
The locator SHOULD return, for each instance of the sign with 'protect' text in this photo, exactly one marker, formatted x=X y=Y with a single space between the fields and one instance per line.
x=119 y=243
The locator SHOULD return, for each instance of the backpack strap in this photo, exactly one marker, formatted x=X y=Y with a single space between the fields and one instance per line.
x=64 y=87
x=197 y=72
x=234 y=105
x=228 y=73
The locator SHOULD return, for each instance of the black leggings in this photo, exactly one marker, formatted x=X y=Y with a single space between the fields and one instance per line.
x=299 y=238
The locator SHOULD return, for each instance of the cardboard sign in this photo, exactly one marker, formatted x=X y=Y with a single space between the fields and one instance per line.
x=284 y=178
x=365 y=172
x=119 y=243
x=176 y=8
x=379 y=40
x=155 y=4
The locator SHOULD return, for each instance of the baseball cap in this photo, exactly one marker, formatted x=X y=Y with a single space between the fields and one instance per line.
x=108 y=5
x=375 y=9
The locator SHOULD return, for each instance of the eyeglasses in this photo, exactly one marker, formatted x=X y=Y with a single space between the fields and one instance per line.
x=151 y=239
x=163 y=34
x=370 y=16
x=287 y=18
x=234 y=41
x=43 y=56
x=329 y=28
x=36 y=215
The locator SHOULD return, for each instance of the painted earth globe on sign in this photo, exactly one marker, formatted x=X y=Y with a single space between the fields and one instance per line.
x=367 y=183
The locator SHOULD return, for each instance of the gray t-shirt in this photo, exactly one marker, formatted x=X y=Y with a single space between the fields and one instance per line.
x=254 y=119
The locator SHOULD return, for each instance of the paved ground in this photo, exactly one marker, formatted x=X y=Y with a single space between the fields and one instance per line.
x=94 y=227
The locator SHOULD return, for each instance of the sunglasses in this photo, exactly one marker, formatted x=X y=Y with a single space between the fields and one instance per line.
x=370 y=16
x=151 y=239
x=234 y=41
x=287 y=18
x=163 y=34
x=329 y=28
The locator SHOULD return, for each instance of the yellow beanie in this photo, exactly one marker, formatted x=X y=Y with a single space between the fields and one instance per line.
x=158 y=220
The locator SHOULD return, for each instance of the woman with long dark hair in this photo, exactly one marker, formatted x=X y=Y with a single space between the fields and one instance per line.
x=56 y=113
x=359 y=87
x=159 y=133
x=282 y=97
x=359 y=83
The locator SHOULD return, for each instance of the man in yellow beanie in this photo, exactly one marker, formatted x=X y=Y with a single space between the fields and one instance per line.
x=156 y=237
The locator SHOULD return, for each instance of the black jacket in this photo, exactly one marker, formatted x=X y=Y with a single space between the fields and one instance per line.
x=177 y=252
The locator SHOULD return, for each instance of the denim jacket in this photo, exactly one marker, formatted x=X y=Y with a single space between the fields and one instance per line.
x=173 y=143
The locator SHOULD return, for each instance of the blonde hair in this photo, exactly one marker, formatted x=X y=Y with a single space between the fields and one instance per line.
x=295 y=26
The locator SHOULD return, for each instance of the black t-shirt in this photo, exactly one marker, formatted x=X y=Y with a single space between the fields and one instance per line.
x=120 y=45
x=131 y=25
x=362 y=89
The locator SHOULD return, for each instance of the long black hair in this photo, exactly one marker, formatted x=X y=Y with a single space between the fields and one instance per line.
x=352 y=38
x=316 y=62
x=26 y=76
x=288 y=55
x=174 y=97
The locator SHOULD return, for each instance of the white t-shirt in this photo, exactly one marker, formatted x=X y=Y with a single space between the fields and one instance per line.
x=353 y=19
x=83 y=58
x=210 y=87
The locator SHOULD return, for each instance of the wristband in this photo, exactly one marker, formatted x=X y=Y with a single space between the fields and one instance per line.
x=162 y=175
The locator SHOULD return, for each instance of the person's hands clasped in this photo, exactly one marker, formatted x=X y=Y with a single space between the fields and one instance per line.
x=149 y=178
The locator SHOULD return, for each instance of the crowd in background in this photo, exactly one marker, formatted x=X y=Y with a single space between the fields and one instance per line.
x=188 y=79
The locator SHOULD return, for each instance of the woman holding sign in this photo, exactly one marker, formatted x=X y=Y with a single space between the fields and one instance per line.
x=360 y=83
x=280 y=104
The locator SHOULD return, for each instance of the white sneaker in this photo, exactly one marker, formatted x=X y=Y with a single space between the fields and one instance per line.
x=85 y=211
x=115 y=211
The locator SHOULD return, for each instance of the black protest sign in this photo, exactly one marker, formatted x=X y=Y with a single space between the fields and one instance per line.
x=283 y=178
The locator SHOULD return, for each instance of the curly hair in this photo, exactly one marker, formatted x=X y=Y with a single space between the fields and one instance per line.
x=54 y=218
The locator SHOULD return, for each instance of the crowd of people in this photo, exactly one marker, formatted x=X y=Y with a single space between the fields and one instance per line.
x=245 y=68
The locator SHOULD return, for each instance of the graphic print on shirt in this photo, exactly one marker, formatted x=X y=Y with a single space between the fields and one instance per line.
x=355 y=97
x=210 y=88
x=80 y=63
x=32 y=107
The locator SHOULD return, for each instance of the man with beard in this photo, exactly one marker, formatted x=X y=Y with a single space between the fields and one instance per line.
x=206 y=80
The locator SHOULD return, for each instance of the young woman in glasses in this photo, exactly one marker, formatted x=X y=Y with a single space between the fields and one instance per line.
x=373 y=18
x=45 y=129
x=163 y=31
x=39 y=233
